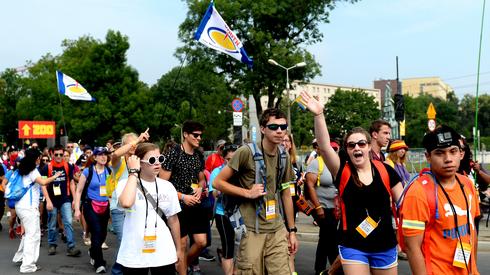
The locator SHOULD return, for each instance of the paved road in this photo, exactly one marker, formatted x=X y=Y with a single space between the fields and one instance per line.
x=61 y=264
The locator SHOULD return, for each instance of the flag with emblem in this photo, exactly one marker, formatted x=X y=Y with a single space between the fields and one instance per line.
x=71 y=88
x=215 y=33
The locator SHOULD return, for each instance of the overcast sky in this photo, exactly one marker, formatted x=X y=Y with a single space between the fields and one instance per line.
x=431 y=37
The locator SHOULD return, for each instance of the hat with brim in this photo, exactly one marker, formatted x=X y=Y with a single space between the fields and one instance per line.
x=397 y=145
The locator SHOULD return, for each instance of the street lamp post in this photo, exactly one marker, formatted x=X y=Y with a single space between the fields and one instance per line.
x=298 y=65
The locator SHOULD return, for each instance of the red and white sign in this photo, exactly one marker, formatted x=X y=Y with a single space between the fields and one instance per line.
x=37 y=129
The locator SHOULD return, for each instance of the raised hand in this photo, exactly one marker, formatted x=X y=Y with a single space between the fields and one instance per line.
x=311 y=103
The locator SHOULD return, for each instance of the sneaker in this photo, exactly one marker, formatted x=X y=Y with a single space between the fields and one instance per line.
x=205 y=256
x=402 y=256
x=104 y=246
x=87 y=241
x=52 y=250
x=73 y=252
x=100 y=269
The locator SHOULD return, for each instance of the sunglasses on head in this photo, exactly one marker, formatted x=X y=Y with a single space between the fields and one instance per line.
x=196 y=135
x=233 y=147
x=361 y=143
x=154 y=160
x=274 y=126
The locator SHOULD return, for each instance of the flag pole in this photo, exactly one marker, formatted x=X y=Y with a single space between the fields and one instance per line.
x=477 y=146
x=62 y=116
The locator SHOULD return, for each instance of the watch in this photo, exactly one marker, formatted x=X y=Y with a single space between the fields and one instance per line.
x=133 y=170
x=294 y=229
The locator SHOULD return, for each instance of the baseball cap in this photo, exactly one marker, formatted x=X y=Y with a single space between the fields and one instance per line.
x=334 y=145
x=397 y=145
x=441 y=137
x=100 y=151
x=12 y=148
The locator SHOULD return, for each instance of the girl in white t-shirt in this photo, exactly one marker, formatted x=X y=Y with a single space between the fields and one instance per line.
x=148 y=244
x=27 y=209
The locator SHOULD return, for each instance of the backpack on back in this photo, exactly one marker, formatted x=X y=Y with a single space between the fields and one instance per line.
x=15 y=189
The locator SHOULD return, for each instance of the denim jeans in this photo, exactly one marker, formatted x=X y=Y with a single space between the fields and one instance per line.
x=117 y=225
x=97 y=225
x=66 y=218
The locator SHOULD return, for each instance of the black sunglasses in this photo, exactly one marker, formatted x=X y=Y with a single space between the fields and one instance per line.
x=361 y=143
x=58 y=155
x=274 y=126
x=45 y=160
x=233 y=147
x=154 y=160
x=196 y=135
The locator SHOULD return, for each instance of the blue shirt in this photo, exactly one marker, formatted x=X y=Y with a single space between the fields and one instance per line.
x=93 y=191
x=219 y=206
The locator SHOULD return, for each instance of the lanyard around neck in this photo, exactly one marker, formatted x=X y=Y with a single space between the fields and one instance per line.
x=146 y=200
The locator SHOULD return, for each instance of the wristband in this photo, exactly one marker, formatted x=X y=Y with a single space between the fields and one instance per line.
x=294 y=229
x=133 y=170
x=318 y=207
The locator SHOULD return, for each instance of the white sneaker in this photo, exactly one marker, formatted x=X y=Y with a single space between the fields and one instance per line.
x=92 y=261
x=100 y=269
x=104 y=246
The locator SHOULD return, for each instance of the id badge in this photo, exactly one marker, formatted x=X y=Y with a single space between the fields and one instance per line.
x=103 y=191
x=367 y=226
x=459 y=259
x=292 y=189
x=195 y=186
x=270 y=210
x=57 y=190
x=149 y=241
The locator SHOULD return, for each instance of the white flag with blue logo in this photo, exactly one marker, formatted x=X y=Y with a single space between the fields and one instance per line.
x=71 y=88
x=215 y=33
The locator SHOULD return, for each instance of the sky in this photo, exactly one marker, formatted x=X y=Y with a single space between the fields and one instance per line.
x=360 y=44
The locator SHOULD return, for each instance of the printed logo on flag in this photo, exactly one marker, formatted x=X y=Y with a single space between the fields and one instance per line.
x=223 y=39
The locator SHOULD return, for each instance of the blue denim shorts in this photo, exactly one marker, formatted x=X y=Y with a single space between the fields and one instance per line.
x=379 y=260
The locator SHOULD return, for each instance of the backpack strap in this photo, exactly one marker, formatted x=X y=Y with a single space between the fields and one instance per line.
x=87 y=183
x=430 y=188
x=344 y=179
x=67 y=172
x=321 y=166
x=260 y=177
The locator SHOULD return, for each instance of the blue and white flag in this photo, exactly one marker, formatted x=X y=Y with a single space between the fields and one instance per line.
x=215 y=33
x=71 y=88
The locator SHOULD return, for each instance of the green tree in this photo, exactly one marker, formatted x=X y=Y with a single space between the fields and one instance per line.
x=11 y=89
x=416 y=116
x=278 y=29
x=197 y=92
x=348 y=109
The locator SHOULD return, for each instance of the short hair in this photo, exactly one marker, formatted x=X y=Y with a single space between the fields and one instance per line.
x=271 y=112
x=58 y=147
x=377 y=124
x=144 y=148
x=125 y=137
x=190 y=126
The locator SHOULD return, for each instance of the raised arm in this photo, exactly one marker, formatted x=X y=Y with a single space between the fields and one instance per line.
x=322 y=136
x=121 y=151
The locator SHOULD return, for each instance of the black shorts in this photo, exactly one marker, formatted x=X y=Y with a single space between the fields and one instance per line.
x=193 y=220
x=226 y=234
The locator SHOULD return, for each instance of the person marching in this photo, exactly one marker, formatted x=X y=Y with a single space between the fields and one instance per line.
x=28 y=212
x=439 y=209
x=367 y=189
x=91 y=192
x=150 y=242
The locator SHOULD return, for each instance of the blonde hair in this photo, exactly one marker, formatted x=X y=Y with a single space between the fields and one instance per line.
x=394 y=157
x=292 y=151
x=125 y=137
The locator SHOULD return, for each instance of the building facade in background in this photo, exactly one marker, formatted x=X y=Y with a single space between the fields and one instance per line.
x=323 y=92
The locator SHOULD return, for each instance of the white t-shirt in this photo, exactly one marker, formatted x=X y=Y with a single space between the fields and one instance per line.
x=25 y=202
x=130 y=252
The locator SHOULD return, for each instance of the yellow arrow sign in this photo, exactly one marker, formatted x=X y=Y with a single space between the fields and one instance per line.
x=26 y=129
x=431 y=112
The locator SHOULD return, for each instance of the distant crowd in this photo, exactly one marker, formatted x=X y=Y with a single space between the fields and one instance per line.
x=162 y=202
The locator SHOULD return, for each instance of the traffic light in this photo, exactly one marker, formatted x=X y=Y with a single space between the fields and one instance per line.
x=399 y=107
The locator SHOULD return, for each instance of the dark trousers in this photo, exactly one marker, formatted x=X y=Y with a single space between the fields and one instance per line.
x=160 y=270
x=97 y=224
x=327 y=247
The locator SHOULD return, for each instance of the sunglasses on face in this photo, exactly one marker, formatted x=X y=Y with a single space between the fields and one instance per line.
x=44 y=160
x=154 y=160
x=274 y=126
x=361 y=143
x=69 y=146
x=196 y=135
x=58 y=155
